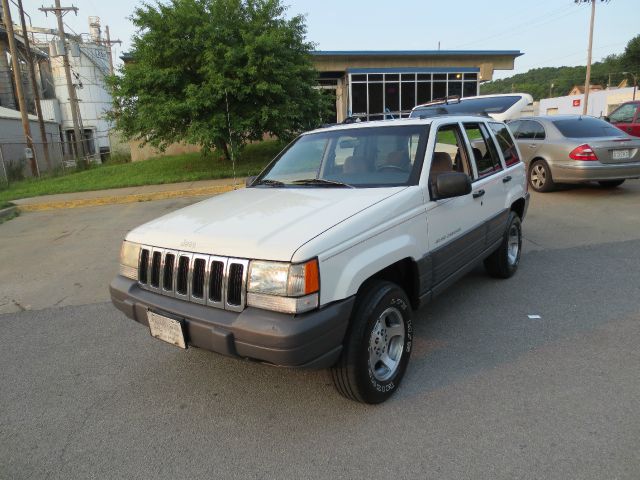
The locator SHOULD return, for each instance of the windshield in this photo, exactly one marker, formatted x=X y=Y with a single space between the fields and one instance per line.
x=469 y=106
x=586 y=127
x=359 y=157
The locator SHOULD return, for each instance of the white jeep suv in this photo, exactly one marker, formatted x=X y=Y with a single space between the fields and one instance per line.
x=322 y=259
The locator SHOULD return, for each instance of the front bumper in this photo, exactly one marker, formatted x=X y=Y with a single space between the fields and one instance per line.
x=594 y=171
x=310 y=340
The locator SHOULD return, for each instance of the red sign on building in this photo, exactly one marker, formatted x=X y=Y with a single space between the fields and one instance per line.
x=576 y=102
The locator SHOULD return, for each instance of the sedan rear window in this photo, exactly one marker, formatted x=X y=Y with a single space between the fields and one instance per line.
x=585 y=127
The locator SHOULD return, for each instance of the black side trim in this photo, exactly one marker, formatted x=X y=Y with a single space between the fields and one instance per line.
x=448 y=263
x=496 y=226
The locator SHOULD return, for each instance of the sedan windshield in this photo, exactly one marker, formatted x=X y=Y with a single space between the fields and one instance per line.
x=379 y=156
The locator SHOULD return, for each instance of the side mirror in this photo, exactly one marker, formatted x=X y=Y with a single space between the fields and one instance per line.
x=249 y=180
x=450 y=184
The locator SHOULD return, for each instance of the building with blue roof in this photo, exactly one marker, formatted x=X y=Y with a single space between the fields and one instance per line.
x=378 y=84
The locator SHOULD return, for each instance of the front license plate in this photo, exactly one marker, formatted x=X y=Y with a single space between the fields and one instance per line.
x=166 y=329
x=621 y=154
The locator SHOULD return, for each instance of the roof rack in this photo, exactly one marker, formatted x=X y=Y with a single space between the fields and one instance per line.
x=354 y=119
x=441 y=101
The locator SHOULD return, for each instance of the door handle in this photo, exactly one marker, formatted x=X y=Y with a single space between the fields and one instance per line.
x=478 y=194
x=532 y=145
x=506 y=179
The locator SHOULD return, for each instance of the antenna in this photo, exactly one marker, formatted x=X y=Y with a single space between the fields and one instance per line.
x=233 y=156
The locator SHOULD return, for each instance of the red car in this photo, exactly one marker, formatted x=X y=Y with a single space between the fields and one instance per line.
x=627 y=118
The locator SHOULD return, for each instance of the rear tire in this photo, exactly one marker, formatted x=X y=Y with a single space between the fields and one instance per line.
x=377 y=346
x=540 y=178
x=504 y=262
x=611 y=183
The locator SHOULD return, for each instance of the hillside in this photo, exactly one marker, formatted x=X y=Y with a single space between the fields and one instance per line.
x=538 y=81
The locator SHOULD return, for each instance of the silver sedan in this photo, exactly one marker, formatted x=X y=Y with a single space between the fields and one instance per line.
x=575 y=149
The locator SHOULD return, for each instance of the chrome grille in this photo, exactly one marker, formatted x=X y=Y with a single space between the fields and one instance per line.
x=220 y=282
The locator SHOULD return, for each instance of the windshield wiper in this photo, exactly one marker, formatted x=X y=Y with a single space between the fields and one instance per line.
x=269 y=182
x=321 y=182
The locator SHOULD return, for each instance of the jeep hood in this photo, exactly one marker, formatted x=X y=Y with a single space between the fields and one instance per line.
x=262 y=223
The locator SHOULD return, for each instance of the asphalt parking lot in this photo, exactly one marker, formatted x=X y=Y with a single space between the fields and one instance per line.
x=491 y=390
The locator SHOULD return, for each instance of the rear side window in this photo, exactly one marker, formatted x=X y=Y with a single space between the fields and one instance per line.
x=527 y=130
x=585 y=127
x=507 y=145
x=484 y=152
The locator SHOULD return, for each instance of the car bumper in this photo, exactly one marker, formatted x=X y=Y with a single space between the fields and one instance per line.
x=309 y=340
x=587 y=171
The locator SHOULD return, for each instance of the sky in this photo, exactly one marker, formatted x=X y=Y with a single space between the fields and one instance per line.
x=549 y=32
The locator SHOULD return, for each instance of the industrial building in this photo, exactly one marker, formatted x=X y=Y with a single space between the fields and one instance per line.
x=89 y=62
x=601 y=102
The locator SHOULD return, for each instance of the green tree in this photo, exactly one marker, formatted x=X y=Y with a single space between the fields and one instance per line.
x=217 y=73
x=537 y=82
x=630 y=59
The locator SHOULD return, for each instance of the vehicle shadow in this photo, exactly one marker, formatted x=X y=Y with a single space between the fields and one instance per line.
x=477 y=325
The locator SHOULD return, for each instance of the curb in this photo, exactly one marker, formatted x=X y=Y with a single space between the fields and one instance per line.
x=132 y=198
x=8 y=212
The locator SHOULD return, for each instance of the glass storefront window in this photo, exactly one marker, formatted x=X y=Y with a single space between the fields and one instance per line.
x=373 y=95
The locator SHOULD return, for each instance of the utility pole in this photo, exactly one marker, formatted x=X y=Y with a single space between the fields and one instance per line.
x=17 y=75
x=587 y=80
x=34 y=85
x=110 y=42
x=59 y=13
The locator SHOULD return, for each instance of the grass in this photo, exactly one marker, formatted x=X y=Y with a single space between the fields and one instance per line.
x=178 y=168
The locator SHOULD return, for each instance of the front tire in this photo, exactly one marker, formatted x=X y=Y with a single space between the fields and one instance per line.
x=504 y=262
x=378 y=344
x=611 y=183
x=540 y=178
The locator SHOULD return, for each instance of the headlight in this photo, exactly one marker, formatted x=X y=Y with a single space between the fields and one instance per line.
x=285 y=287
x=129 y=255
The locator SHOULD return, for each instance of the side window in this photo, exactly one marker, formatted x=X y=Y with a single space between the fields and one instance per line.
x=538 y=130
x=525 y=131
x=450 y=153
x=624 y=113
x=484 y=150
x=515 y=127
x=507 y=145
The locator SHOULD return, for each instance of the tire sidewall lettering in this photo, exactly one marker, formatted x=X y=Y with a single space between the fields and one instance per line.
x=388 y=386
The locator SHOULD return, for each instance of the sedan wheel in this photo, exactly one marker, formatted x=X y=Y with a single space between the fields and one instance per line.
x=540 y=177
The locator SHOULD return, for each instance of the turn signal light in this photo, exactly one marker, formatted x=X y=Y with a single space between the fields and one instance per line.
x=583 y=152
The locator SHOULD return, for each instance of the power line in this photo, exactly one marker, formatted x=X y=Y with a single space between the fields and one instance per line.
x=523 y=26
x=579 y=52
x=59 y=12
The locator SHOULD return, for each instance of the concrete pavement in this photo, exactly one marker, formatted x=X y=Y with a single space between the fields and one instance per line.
x=489 y=393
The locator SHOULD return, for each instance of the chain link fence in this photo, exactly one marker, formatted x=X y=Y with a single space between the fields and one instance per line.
x=58 y=158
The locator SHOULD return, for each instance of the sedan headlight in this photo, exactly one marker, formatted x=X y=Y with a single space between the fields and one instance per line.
x=284 y=287
x=129 y=255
